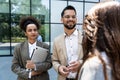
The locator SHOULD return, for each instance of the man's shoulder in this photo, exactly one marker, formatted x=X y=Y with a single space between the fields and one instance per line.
x=58 y=38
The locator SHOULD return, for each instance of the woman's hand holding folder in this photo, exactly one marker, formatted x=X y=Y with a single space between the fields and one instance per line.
x=30 y=65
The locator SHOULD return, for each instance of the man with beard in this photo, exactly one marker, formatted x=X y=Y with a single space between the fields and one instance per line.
x=67 y=48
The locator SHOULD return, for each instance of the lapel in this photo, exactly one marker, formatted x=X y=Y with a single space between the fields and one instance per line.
x=64 y=49
x=25 y=51
x=39 y=44
x=80 y=51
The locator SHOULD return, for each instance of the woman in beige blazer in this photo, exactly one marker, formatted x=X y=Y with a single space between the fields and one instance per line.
x=23 y=51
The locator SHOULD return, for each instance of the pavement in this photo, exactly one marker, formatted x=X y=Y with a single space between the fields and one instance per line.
x=7 y=74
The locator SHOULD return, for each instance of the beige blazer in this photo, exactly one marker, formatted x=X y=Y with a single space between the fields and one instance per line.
x=21 y=55
x=59 y=56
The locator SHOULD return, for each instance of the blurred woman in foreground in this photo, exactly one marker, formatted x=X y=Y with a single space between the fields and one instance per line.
x=101 y=43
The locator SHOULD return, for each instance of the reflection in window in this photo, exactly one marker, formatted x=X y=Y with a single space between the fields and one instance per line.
x=45 y=32
x=79 y=8
x=4 y=7
x=88 y=6
x=56 y=10
x=48 y=12
x=39 y=7
x=20 y=6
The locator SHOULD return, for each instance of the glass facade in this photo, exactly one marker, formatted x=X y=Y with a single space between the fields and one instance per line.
x=48 y=12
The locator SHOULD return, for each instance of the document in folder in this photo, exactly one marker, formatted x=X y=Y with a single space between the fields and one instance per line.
x=39 y=55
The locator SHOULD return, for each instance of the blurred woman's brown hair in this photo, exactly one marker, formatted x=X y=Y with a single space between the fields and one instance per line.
x=102 y=32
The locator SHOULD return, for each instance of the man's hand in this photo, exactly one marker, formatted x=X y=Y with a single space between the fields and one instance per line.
x=63 y=70
x=74 y=66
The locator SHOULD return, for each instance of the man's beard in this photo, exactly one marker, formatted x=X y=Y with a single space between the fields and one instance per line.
x=70 y=27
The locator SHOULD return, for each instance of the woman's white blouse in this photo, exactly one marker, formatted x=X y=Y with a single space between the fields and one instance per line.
x=92 y=69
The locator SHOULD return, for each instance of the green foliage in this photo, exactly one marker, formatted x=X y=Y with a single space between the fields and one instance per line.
x=18 y=39
x=9 y=21
x=5 y=31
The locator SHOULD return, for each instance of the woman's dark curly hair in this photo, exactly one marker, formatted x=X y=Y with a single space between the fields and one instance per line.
x=24 y=21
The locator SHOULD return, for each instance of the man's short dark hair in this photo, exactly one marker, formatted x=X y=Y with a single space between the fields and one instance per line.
x=69 y=7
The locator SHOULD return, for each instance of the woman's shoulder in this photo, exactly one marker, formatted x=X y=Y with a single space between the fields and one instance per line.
x=43 y=45
x=89 y=69
x=20 y=44
x=92 y=62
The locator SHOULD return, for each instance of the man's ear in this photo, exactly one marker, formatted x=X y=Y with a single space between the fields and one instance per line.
x=61 y=19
